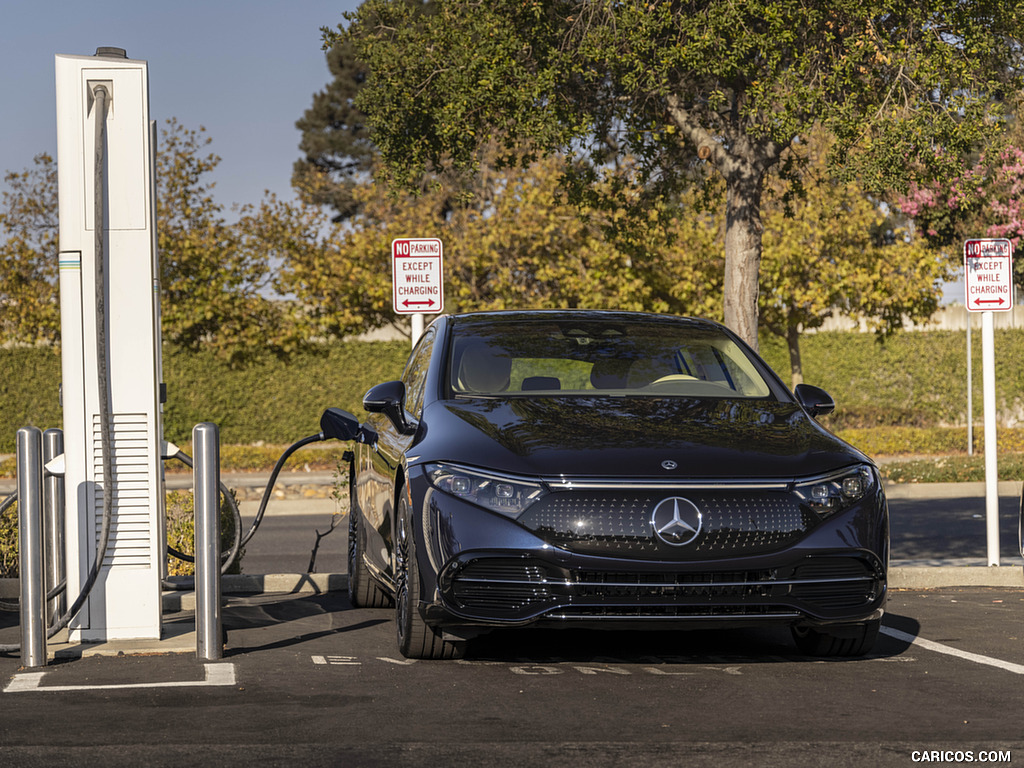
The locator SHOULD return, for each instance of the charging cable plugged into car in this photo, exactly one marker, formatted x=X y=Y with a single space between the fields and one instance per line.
x=113 y=450
x=335 y=424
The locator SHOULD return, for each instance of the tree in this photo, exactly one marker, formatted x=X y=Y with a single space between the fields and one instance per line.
x=690 y=89
x=29 y=306
x=216 y=280
x=217 y=285
x=512 y=243
x=335 y=136
x=837 y=250
x=986 y=200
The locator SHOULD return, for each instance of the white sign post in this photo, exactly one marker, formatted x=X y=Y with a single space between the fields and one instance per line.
x=988 y=280
x=417 y=273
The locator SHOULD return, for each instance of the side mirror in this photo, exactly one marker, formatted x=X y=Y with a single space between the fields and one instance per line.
x=389 y=398
x=815 y=400
x=339 y=424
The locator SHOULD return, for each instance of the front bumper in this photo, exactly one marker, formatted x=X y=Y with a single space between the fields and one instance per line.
x=483 y=570
x=496 y=589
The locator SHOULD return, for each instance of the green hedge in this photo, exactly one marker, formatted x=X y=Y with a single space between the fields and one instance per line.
x=895 y=441
x=270 y=401
x=909 y=380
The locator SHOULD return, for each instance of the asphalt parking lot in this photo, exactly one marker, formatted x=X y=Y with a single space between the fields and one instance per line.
x=306 y=679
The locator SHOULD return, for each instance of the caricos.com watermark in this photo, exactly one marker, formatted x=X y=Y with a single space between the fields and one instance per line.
x=960 y=756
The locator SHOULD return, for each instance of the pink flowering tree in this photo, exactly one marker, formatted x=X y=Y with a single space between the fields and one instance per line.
x=987 y=200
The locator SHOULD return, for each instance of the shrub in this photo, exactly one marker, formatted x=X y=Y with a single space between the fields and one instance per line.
x=180 y=535
x=270 y=400
x=181 y=532
x=9 y=542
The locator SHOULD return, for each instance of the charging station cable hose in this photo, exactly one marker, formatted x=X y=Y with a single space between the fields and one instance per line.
x=227 y=558
x=240 y=541
x=273 y=479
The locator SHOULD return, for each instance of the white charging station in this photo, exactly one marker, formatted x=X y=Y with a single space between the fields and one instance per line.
x=125 y=601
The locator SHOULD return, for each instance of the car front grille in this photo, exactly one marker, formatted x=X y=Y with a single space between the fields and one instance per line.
x=618 y=524
x=525 y=588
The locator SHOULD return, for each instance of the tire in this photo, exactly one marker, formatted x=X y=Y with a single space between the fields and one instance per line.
x=416 y=638
x=363 y=589
x=852 y=640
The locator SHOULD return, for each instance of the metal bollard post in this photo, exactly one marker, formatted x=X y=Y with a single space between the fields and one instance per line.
x=53 y=523
x=30 y=546
x=206 y=487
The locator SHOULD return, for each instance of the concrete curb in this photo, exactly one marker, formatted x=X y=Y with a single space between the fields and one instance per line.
x=937 y=576
x=257 y=584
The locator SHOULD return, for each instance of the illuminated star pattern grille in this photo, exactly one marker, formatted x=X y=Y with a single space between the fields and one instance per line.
x=735 y=523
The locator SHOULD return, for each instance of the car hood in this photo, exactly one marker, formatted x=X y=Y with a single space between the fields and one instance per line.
x=631 y=437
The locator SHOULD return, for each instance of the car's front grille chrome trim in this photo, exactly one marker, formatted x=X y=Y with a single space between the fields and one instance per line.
x=567 y=484
x=583 y=615
x=662 y=585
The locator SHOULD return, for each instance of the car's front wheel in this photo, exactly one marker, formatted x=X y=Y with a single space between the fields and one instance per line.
x=850 y=640
x=416 y=638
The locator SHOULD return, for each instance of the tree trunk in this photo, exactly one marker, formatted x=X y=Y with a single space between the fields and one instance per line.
x=743 y=250
x=795 y=365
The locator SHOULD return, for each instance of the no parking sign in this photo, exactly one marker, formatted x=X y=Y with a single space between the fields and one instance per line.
x=988 y=275
x=417 y=275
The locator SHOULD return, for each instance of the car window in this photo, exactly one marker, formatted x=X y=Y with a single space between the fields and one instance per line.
x=538 y=358
x=415 y=375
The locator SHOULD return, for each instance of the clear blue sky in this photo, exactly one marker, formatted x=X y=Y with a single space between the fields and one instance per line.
x=244 y=69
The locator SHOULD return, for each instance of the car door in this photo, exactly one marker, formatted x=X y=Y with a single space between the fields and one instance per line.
x=382 y=465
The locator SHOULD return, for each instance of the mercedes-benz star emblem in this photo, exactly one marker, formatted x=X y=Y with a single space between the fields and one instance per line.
x=676 y=521
x=668 y=464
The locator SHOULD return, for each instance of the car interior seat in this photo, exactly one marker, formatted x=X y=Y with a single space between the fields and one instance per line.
x=483 y=368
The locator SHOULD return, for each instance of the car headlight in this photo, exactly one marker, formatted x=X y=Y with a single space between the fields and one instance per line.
x=510 y=496
x=834 y=493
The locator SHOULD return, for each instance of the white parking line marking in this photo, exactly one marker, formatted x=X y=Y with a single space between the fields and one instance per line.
x=216 y=675
x=931 y=645
x=337 y=661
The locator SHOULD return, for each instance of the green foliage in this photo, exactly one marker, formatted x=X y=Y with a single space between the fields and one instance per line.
x=273 y=400
x=953 y=469
x=908 y=378
x=217 y=286
x=335 y=136
x=215 y=278
x=513 y=242
x=28 y=255
x=29 y=391
x=181 y=531
x=690 y=89
x=934 y=441
x=270 y=401
x=180 y=535
x=822 y=256
x=9 y=542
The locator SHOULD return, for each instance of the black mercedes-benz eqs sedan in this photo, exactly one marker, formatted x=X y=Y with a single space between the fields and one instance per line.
x=609 y=470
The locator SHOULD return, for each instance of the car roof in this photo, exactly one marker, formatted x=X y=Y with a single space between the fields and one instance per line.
x=582 y=315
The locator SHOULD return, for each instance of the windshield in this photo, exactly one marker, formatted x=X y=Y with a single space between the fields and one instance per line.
x=542 y=357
